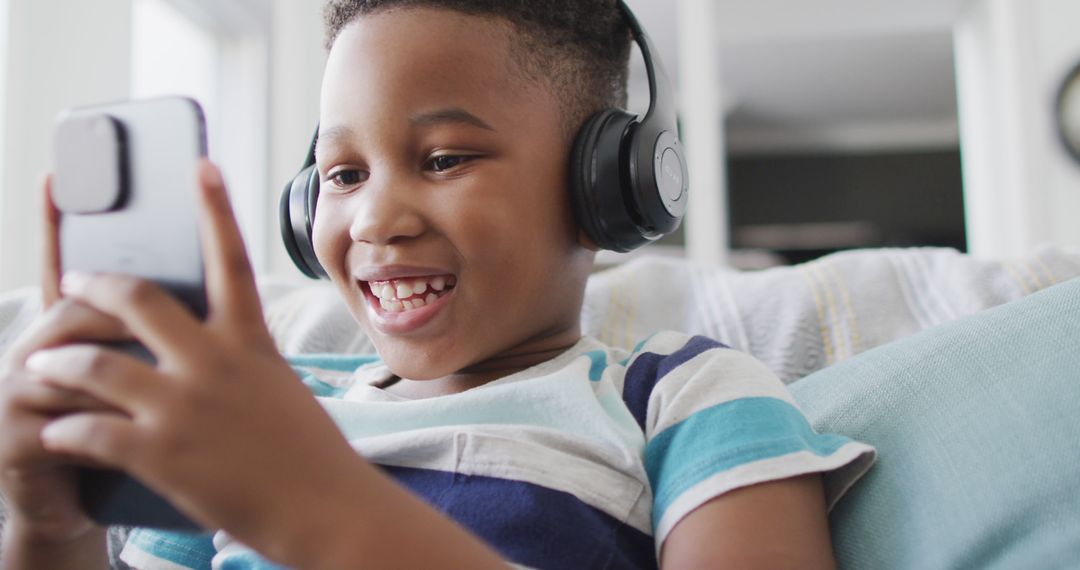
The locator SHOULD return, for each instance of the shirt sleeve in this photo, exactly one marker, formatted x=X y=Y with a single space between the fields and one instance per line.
x=716 y=419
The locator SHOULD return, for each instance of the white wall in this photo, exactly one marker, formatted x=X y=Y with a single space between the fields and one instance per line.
x=4 y=21
x=42 y=78
x=69 y=52
x=236 y=105
x=1020 y=188
x=1011 y=53
x=297 y=59
x=700 y=86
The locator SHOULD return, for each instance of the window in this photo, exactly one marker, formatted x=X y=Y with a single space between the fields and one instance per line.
x=215 y=51
x=172 y=55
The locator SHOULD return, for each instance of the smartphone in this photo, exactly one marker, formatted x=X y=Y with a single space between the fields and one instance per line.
x=124 y=181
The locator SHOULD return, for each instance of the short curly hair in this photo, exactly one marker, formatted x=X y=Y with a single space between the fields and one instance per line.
x=581 y=48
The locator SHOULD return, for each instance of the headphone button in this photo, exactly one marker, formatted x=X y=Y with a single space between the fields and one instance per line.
x=668 y=171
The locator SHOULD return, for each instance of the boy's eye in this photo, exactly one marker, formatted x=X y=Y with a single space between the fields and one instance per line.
x=344 y=178
x=448 y=161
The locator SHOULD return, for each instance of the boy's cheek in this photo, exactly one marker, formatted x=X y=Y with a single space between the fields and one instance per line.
x=327 y=250
x=355 y=301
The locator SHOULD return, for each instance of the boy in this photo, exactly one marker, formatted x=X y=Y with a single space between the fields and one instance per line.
x=445 y=224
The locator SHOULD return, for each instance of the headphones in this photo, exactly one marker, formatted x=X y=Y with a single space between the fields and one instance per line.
x=628 y=180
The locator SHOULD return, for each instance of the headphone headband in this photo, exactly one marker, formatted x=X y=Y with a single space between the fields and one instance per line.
x=661 y=161
x=628 y=180
x=661 y=100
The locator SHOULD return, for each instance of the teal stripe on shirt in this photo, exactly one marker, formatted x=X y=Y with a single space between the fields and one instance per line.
x=334 y=362
x=599 y=364
x=725 y=436
x=247 y=560
x=189 y=550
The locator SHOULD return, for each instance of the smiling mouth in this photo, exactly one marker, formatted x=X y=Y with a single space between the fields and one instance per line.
x=401 y=295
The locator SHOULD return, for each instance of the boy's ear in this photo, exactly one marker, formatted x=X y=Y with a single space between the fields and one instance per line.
x=585 y=241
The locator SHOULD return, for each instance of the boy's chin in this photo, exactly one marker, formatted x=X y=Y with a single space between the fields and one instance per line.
x=413 y=364
x=416 y=374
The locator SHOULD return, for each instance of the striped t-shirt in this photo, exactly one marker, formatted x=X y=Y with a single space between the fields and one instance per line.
x=587 y=460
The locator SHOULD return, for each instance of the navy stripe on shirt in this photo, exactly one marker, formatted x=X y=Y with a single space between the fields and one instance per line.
x=530 y=524
x=649 y=368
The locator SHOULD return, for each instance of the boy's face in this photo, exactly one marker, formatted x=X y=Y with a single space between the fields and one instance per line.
x=444 y=182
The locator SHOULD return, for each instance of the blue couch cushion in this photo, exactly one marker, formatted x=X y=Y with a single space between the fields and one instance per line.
x=977 y=427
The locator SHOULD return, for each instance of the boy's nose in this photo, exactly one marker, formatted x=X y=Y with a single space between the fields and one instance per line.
x=385 y=213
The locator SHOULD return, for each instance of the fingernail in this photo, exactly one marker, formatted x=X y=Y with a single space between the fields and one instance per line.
x=38 y=361
x=211 y=176
x=50 y=434
x=73 y=282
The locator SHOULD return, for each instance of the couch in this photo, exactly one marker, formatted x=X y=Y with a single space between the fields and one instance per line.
x=963 y=372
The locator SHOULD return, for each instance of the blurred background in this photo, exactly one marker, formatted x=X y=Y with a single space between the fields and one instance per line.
x=811 y=126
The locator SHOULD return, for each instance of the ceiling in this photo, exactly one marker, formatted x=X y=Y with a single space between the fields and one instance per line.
x=808 y=75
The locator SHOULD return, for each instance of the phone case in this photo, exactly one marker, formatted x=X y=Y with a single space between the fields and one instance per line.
x=125 y=182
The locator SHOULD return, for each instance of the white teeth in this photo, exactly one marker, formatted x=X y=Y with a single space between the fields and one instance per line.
x=403 y=295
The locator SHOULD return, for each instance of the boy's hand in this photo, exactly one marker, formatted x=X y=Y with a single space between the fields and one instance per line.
x=45 y=525
x=221 y=425
x=38 y=485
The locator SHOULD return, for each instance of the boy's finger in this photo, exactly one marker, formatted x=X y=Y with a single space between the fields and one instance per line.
x=67 y=320
x=168 y=329
x=50 y=274
x=104 y=438
x=36 y=396
x=107 y=375
x=230 y=281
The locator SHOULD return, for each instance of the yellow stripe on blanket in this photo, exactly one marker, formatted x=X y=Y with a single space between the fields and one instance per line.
x=822 y=325
x=853 y=325
x=1009 y=267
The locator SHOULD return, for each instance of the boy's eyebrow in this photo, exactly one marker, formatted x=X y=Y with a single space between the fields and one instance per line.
x=330 y=135
x=449 y=115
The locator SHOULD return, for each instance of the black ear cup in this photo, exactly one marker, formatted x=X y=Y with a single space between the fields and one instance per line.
x=628 y=180
x=599 y=183
x=296 y=216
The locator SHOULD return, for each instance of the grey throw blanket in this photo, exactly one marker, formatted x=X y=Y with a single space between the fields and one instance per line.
x=795 y=319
